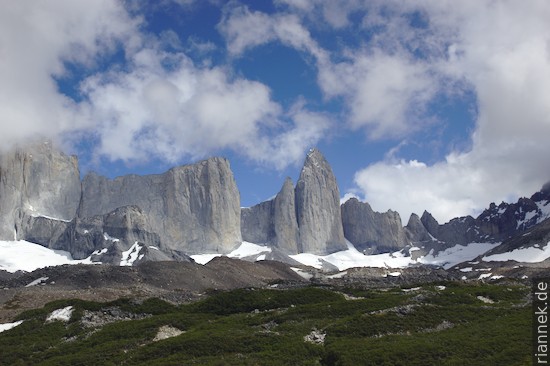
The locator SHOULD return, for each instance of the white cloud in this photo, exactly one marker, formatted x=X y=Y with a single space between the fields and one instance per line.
x=192 y=111
x=244 y=29
x=335 y=12
x=387 y=94
x=288 y=147
x=36 y=39
x=385 y=89
x=499 y=50
x=163 y=104
x=158 y=104
x=502 y=50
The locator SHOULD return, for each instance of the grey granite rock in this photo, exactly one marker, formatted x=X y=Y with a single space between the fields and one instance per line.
x=318 y=207
x=194 y=208
x=37 y=181
x=41 y=230
x=460 y=230
x=370 y=231
x=430 y=223
x=273 y=222
x=285 y=224
x=415 y=230
x=257 y=223
x=495 y=224
x=123 y=235
x=82 y=236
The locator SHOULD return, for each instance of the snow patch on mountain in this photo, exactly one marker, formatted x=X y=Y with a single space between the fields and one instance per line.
x=8 y=326
x=109 y=237
x=38 y=281
x=131 y=255
x=25 y=256
x=457 y=254
x=544 y=207
x=532 y=254
x=204 y=258
x=528 y=217
x=63 y=315
x=304 y=274
x=353 y=258
x=246 y=249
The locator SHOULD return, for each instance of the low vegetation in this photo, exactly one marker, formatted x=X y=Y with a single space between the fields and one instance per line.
x=429 y=325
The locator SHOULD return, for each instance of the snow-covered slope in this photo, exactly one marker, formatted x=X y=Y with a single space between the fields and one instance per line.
x=22 y=255
x=245 y=250
x=25 y=256
x=534 y=254
x=353 y=258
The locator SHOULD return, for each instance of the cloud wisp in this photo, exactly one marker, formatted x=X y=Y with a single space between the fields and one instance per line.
x=501 y=50
x=385 y=66
x=157 y=103
x=411 y=54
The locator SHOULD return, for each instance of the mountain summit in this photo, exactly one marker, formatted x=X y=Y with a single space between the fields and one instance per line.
x=305 y=219
x=318 y=207
x=195 y=209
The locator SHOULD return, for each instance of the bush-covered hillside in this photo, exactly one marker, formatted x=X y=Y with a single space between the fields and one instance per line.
x=453 y=324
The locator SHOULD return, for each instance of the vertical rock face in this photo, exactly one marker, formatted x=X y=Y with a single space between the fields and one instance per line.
x=108 y=235
x=257 y=223
x=39 y=181
x=121 y=235
x=318 y=207
x=415 y=230
x=430 y=223
x=285 y=224
x=194 y=208
x=273 y=222
x=370 y=231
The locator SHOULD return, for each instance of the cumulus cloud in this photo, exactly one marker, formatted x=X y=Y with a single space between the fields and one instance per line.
x=244 y=29
x=385 y=88
x=37 y=39
x=411 y=54
x=285 y=148
x=193 y=112
x=160 y=104
x=502 y=50
x=386 y=94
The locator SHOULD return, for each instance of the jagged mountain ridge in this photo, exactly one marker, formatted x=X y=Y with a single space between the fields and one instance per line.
x=195 y=209
x=189 y=209
x=305 y=218
x=495 y=224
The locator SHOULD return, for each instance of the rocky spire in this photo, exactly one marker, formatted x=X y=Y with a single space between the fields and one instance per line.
x=318 y=207
x=285 y=225
x=430 y=223
x=273 y=222
x=415 y=230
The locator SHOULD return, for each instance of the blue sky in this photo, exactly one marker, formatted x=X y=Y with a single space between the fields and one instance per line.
x=427 y=104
